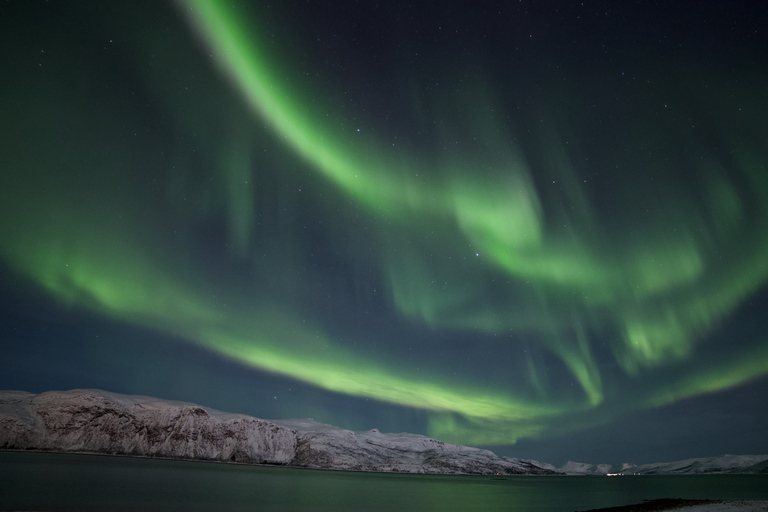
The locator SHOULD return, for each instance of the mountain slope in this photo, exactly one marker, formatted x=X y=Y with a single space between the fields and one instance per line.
x=94 y=421
x=101 y=422
x=726 y=464
x=705 y=465
x=321 y=445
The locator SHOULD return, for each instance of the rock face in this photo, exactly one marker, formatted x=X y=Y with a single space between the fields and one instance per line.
x=93 y=421
x=324 y=446
x=100 y=422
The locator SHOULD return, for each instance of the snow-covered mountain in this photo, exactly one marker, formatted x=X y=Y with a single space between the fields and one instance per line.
x=582 y=468
x=101 y=422
x=709 y=465
x=94 y=421
x=321 y=446
x=706 y=465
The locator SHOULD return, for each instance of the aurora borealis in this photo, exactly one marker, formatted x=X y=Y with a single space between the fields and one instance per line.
x=506 y=224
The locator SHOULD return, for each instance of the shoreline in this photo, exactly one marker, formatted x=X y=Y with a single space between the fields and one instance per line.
x=690 y=505
x=309 y=468
x=263 y=464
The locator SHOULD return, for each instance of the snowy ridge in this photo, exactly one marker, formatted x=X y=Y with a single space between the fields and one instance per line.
x=706 y=465
x=94 y=421
x=581 y=468
x=320 y=446
x=709 y=465
x=97 y=421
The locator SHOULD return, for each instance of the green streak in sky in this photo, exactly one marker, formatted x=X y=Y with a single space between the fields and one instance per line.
x=499 y=254
x=726 y=374
x=125 y=285
x=658 y=293
x=335 y=369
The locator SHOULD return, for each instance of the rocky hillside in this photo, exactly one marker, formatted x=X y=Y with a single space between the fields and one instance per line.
x=101 y=422
x=93 y=421
x=321 y=446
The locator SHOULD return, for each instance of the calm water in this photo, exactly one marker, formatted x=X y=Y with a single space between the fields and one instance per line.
x=41 y=481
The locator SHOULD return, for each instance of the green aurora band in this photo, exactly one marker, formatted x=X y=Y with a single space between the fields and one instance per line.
x=540 y=268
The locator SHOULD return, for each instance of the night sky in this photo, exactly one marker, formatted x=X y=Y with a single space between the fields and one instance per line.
x=535 y=226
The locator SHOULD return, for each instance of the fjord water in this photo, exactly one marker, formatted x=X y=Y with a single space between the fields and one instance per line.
x=46 y=481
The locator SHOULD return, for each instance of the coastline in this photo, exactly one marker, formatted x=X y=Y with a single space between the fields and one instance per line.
x=687 y=505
